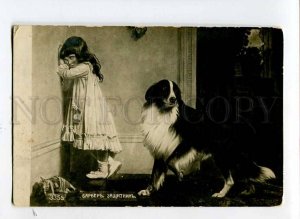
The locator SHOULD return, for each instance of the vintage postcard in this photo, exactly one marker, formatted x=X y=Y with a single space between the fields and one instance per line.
x=147 y=116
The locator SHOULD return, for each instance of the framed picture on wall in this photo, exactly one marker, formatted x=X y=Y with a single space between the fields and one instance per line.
x=147 y=116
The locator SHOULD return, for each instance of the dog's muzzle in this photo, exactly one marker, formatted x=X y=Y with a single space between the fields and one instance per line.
x=172 y=100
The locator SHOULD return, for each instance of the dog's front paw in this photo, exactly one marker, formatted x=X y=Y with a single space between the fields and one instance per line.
x=145 y=192
x=218 y=195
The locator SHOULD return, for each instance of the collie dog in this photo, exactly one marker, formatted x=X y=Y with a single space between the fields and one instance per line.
x=178 y=138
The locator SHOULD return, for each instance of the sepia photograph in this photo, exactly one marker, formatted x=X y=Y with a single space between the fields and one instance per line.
x=147 y=116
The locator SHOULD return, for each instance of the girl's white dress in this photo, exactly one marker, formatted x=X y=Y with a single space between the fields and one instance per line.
x=87 y=123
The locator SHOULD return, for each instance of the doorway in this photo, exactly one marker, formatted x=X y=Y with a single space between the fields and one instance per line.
x=239 y=82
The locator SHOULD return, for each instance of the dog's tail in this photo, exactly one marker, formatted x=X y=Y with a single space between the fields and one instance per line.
x=264 y=174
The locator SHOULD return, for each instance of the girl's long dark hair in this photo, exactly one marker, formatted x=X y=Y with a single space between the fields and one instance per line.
x=76 y=45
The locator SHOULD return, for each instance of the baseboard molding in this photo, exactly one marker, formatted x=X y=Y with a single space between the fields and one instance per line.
x=131 y=138
x=45 y=147
x=49 y=146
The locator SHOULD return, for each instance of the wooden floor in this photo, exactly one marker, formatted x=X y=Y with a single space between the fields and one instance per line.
x=194 y=190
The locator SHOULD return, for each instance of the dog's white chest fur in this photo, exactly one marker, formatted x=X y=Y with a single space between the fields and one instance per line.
x=160 y=137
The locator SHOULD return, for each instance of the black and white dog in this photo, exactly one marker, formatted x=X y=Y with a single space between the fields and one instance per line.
x=178 y=138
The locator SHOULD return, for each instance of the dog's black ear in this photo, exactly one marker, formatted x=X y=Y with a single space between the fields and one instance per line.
x=150 y=93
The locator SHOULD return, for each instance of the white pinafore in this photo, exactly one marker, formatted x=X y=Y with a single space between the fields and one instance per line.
x=88 y=122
